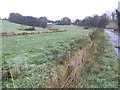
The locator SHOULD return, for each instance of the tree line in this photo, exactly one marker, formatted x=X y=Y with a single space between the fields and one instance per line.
x=63 y=21
x=95 y=21
x=38 y=22
x=28 y=20
x=92 y=21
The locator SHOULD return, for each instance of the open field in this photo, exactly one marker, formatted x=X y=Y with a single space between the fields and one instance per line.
x=13 y=27
x=30 y=61
x=33 y=53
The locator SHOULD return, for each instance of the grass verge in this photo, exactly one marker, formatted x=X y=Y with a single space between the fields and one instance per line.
x=118 y=33
x=104 y=71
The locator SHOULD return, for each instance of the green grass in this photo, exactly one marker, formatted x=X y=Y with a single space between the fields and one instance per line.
x=106 y=74
x=117 y=32
x=37 y=55
x=112 y=25
x=13 y=27
x=34 y=53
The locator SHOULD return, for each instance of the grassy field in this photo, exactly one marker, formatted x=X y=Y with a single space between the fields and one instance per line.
x=13 y=27
x=112 y=25
x=31 y=59
x=32 y=54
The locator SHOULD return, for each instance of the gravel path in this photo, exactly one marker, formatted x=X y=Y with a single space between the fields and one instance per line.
x=115 y=40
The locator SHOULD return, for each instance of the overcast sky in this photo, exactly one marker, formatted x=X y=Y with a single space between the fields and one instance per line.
x=56 y=9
